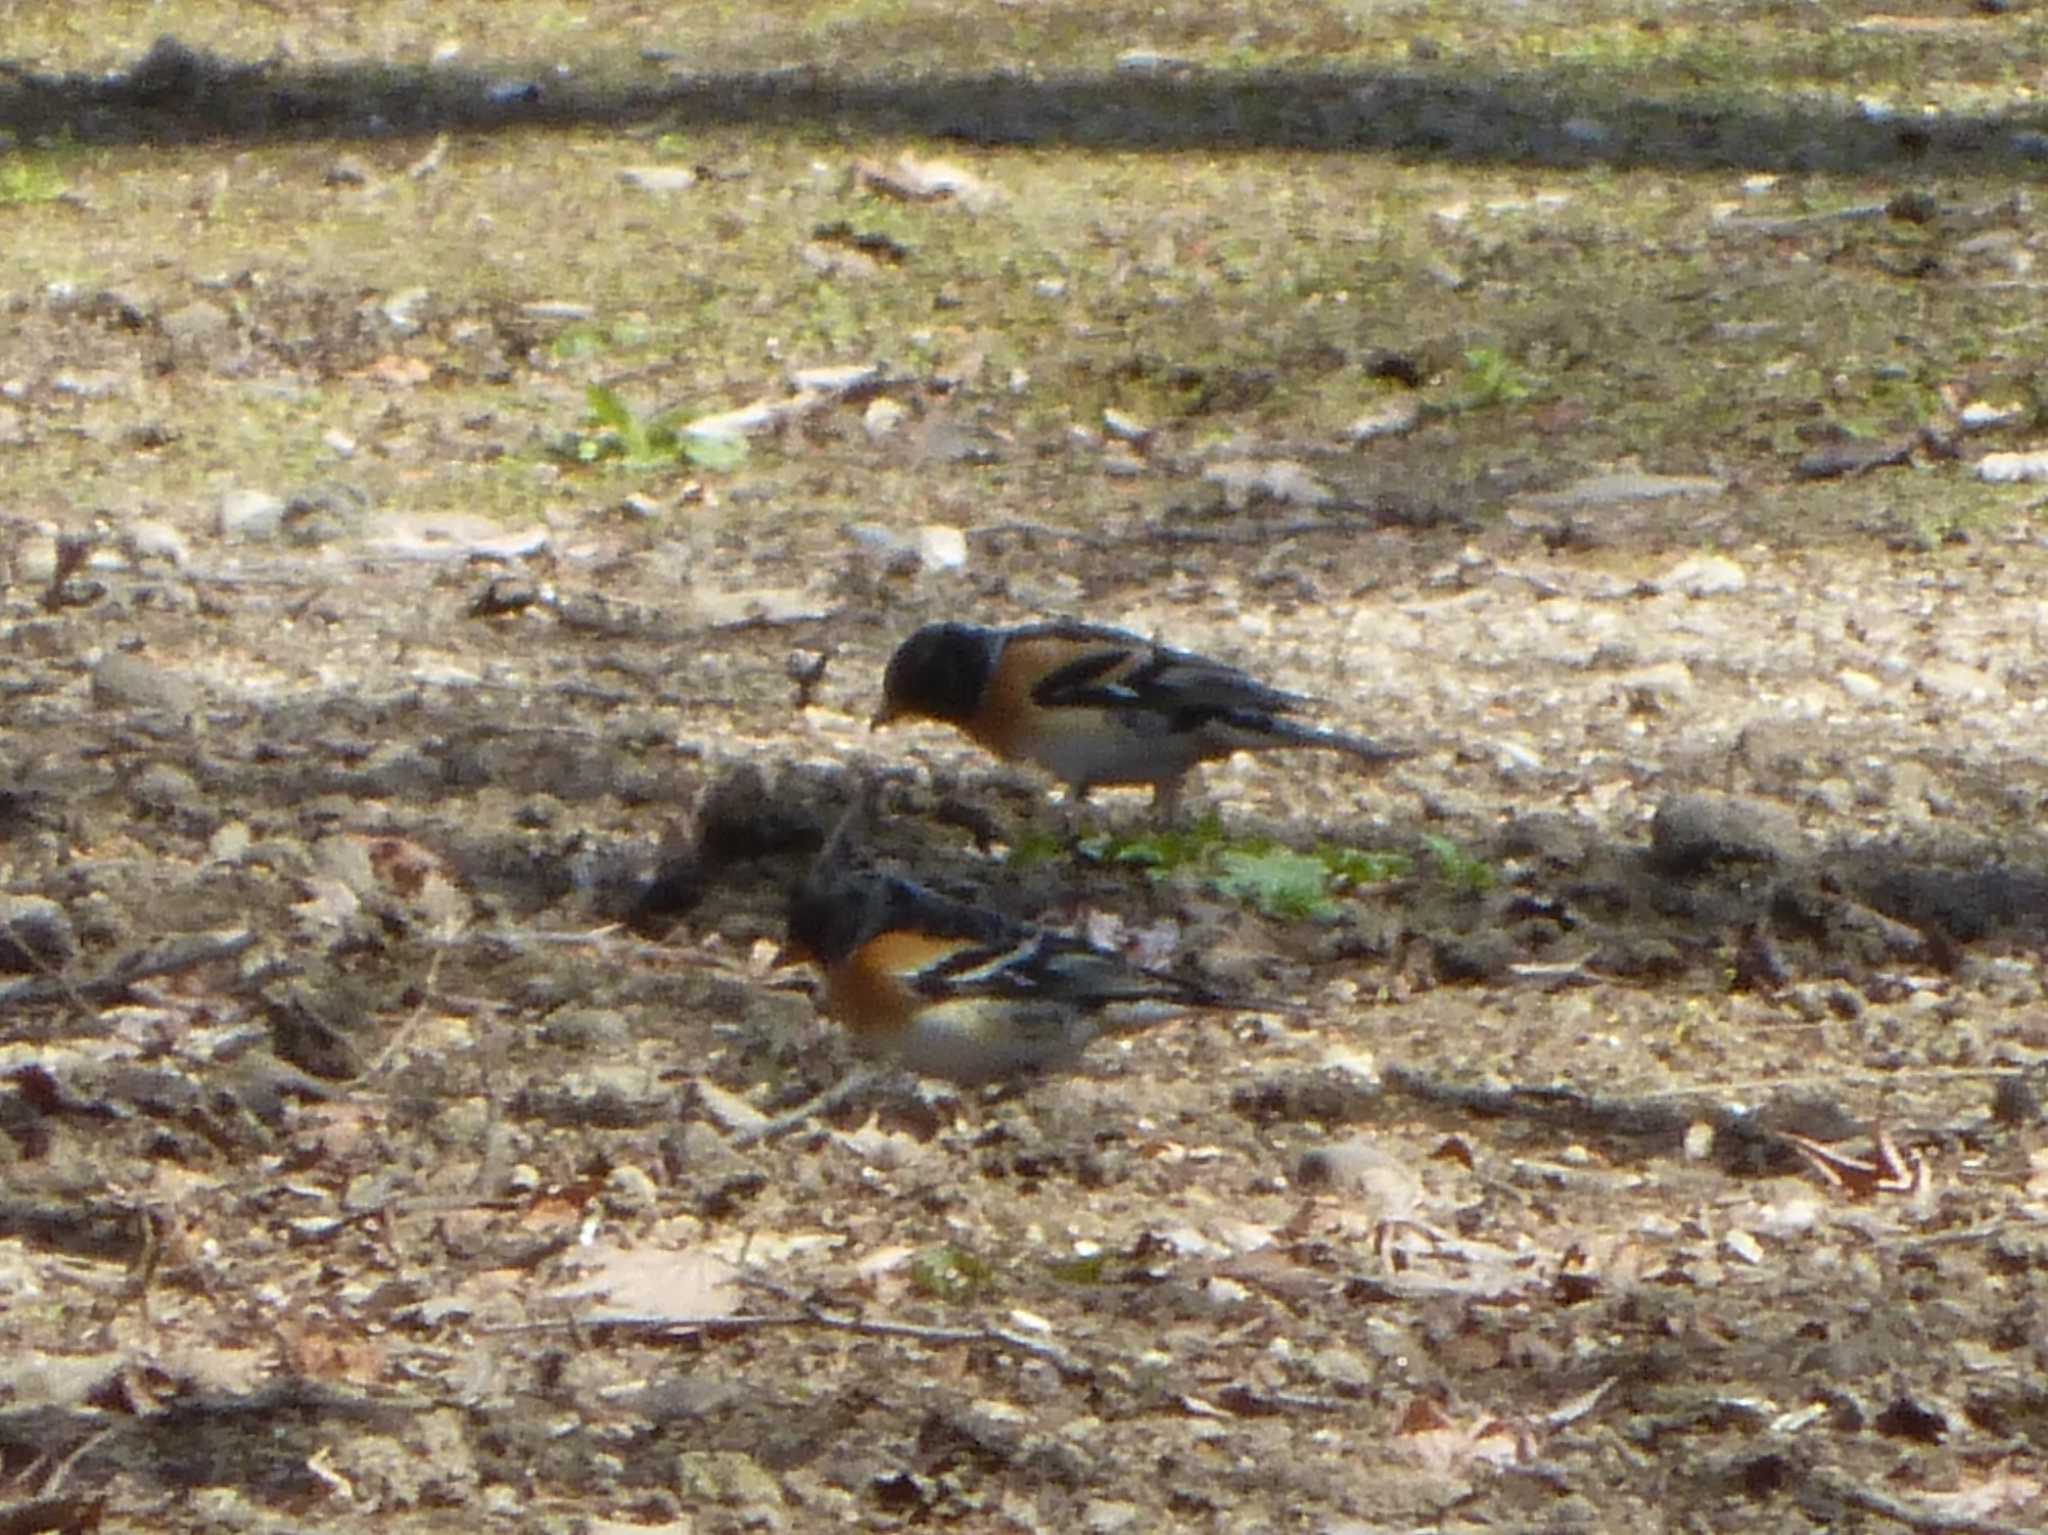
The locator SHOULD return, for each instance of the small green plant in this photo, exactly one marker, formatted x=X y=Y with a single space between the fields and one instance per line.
x=1356 y=867
x=577 y=343
x=1091 y=1270
x=1164 y=850
x=24 y=179
x=1492 y=378
x=1278 y=882
x=950 y=1273
x=834 y=319
x=1272 y=879
x=1460 y=870
x=1033 y=848
x=614 y=433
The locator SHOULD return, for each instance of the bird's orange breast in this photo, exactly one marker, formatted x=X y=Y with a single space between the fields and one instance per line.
x=1011 y=718
x=872 y=993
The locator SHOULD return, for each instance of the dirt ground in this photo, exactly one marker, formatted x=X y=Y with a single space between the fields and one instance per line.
x=405 y=782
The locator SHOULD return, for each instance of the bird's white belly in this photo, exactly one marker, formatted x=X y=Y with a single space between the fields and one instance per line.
x=1105 y=750
x=972 y=1041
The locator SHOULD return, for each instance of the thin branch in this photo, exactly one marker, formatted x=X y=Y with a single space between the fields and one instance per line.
x=170 y=958
x=1927 y=1520
x=848 y=1086
x=402 y=1035
x=809 y=1314
x=63 y=1469
x=1840 y=1079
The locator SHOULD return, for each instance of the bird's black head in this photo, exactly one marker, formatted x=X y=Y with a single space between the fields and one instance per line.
x=829 y=919
x=832 y=914
x=938 y=673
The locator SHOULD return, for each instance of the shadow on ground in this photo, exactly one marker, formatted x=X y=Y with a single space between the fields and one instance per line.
x=179 y=95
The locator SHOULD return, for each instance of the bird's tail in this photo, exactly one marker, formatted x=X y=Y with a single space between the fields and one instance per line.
x=1373 y=753
x=1142 y=1012
x=1269 y=731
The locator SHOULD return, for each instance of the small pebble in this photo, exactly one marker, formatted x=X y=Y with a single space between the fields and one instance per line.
x=1702 y=575
x=659 y=178
x=250 y=515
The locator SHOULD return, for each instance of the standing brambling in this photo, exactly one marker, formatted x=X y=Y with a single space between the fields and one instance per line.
x=1093 y=705
x=954 y=991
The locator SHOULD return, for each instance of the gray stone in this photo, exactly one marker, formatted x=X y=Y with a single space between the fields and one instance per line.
x=36 y=935
x=1548 y=835
x=1479 y=956
x=2012 y=468
x=1656 y=689
x=1692 y=832
x=587 y=1028
x=196 y=321
x=659 y=178
x=1958 y=682
x=843 y=379
x=164 y=789
x=1702 y=575
x=1148 y=61
x=628 y=1190
x=882 y=418
x=1282 y=479
x=250 y=514
x=1608 y=489
x=402 y=310
x=122 y=681
x=99 y=384
x=1396 y=418
x=557 y=309
x=151 y=540
x=1125 y=428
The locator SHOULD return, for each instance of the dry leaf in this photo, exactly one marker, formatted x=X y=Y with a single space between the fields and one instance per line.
x=395 y=370
x=629 y=1283
x=223 y=1371
x=328 y=903
x=329 y=1353
x=2003 y=1491
x=1442 y=1445
x=922 y=181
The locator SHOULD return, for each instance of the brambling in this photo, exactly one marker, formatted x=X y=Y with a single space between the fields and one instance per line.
x=958 y=992
x=1094 y=705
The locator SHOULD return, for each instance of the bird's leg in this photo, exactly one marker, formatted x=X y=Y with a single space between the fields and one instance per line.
x=1073 y=810
x=1166 y=801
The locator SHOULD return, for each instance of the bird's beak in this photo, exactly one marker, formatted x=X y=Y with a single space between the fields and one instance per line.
x=888 y=714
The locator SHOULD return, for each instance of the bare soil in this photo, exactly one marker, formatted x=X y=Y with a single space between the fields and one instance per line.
x=392 y=895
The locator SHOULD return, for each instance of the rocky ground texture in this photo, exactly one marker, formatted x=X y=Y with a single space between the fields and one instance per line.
x=408 y=755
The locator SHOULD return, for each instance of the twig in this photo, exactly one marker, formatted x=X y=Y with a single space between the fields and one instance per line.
x=809 y=1314
x=1636 y=1118
x=1840 y=1079
x=179 y=954
x=54 y=1483
x=853 y=1083
x=1798 y=223
x=611 y=939
x=1928 y=1520
x=404 y=1032
x=1910 y=1241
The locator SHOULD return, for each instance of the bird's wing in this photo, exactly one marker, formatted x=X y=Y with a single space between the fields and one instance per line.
x=1052 y=967
x=1086 y=666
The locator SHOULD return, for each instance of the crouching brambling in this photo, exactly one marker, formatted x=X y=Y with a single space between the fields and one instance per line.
x=1093 y=705
x=954 y=991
